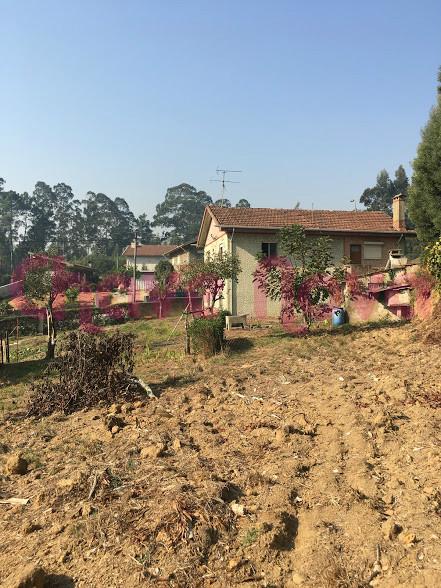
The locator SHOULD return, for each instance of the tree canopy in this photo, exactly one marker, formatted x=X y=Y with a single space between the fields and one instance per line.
x=425 y=193
x=96 y=227
x=180 y=214
x=379 y=197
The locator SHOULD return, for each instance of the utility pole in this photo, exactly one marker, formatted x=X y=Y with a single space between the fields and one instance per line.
x=135 y=248
x=222 y=173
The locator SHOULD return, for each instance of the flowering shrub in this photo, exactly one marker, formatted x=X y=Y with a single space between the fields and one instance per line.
x=310 y=295
x=114 y=281
x=91 y=328
x=42 y=279
x=112 y=316
x=423 y=284
x=166 y=283
x=209 y=277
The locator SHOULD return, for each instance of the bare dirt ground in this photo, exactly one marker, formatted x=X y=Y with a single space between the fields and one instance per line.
x=309 y=462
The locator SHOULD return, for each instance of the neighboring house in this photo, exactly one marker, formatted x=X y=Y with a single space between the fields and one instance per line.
x=147 y=257
x=363 y=237
x=185 y=254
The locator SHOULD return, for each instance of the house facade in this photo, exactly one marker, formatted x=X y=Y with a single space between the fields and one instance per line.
x=147 y=257
x=182 y=255
x=364 y=238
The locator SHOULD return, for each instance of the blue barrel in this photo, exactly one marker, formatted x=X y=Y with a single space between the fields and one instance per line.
x=338 y=317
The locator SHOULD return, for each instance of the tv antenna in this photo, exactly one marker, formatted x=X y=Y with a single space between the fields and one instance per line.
x=355 y=205
x=222 y=173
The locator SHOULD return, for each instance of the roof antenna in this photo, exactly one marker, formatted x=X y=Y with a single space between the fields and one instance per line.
x=222 y=173
x=312 y=212
x=355 y=205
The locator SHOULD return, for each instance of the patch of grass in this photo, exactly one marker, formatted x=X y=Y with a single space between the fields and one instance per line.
x=250 y=537
x=33 y=459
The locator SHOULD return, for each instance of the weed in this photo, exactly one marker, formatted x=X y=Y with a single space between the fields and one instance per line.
x=250 y=537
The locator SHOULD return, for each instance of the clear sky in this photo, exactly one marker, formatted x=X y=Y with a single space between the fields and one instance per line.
x=309 y=99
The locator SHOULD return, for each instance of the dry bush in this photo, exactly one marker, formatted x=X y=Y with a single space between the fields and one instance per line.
x=91 y=369
x=338 y=570
x=431 y=329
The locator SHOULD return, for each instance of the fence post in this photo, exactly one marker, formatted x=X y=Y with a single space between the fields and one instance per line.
x=7 y=347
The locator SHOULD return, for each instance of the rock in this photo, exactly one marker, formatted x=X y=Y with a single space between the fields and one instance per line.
x=126 y=408
x=155 y=450
x=295 y=580
x=138 y=404
x=16 y=464
x=87 y=509
x=115 y=430
x=31 y=528
x=57 y=529
x=111 y=420
x=115 y=409
x=408 y=538
x=176 y=445
x=30 y=576
x=237 y=508
x=234 y=563
x=391 y=529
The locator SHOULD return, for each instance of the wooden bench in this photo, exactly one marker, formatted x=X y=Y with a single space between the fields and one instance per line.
x=239 y=320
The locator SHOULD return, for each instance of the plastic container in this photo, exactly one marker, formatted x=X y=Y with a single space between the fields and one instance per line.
x=338 y=317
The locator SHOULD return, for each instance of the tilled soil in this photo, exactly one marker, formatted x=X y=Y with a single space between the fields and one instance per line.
x=290 y=462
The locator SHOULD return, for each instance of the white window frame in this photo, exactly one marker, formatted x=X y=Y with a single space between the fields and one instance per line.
x=370 y=244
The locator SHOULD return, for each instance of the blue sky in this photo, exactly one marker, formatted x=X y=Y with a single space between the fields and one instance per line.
x=309 y=99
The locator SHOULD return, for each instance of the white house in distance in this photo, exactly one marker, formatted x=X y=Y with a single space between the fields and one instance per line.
x=147 y=257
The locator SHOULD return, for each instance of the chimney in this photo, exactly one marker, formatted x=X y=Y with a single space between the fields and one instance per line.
x=399 y=212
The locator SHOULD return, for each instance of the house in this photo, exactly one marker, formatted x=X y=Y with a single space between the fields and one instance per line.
x=363 y=237
x=185 y=254
x=147 y=257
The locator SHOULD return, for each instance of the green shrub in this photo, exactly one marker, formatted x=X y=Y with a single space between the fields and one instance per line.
x=432 y=260
x=207 y=334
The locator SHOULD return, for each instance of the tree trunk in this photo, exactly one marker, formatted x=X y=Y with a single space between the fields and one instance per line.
x=51 y=334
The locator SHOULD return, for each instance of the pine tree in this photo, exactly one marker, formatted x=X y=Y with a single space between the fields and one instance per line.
x=425 y=192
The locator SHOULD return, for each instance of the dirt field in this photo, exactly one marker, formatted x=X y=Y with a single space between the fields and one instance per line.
x=288 y=462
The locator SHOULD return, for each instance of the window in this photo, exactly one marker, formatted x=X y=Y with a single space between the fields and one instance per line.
x=355 y=254
x=373 y=250
x=269 y=249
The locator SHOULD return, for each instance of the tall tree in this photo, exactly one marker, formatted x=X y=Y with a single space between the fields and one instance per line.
x=379 y=197
x=42 y=229
x=224 y=202
x=243 y=203
x=401 y=182
x=425 y=191
x=63 y=217
x=145 y=231
x=179 y=215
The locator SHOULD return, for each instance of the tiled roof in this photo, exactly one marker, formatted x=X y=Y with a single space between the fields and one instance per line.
x=325 y=220
x=148 y=250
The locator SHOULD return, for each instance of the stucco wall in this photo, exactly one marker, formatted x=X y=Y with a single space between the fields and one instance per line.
x=217 y=240
x=243 y=297
x=246 y=297
x=388 y=243
x=145 y=263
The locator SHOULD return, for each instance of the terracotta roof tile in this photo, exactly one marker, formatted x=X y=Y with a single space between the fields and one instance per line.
x=146 y=250
x=325 y=220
